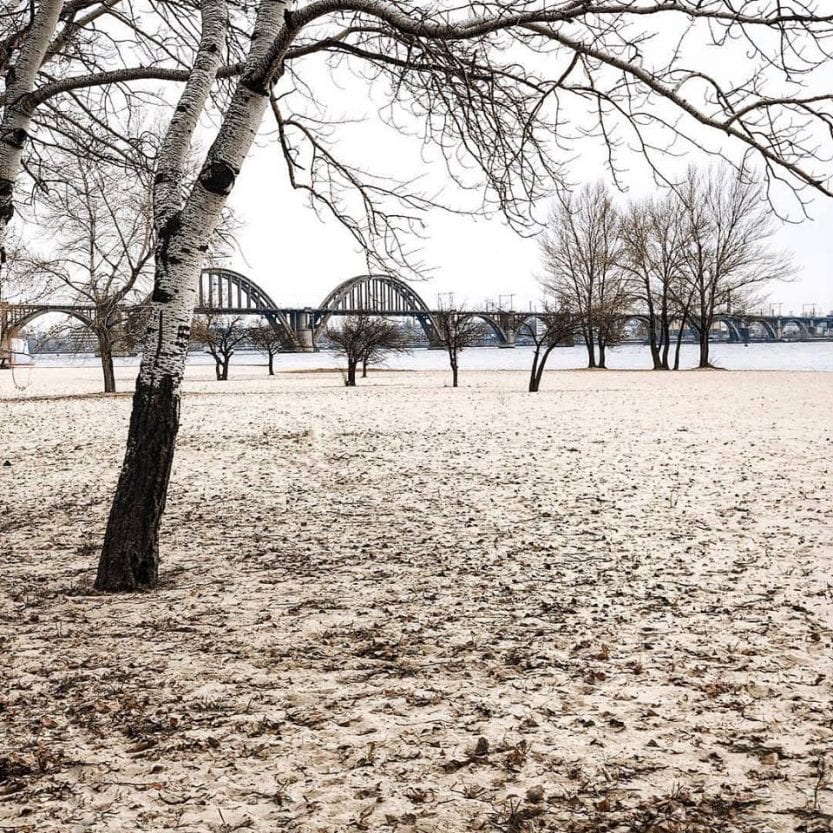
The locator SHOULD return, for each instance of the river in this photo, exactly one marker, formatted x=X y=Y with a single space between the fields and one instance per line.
x=801 y=356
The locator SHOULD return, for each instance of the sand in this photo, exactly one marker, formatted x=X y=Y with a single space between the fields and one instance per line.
x=604 y=607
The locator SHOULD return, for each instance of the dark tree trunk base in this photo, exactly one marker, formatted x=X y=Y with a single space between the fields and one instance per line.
x=130 y=555
x=105 y=351
x=704 y=350
x=109 y=374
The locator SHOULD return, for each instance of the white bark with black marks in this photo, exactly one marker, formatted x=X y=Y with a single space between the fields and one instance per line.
x=19 y=107
x=130 y=555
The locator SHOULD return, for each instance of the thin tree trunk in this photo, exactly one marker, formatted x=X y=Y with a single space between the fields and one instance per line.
x=271 y=363
x=451 y=349
x=539 y=374
x=653 y=339
x=591 y=351
x=704 y=346
x=364 y=368
x=130 y=554
x=654 y=342
x=17 y=114
x=533 y=373
x=351 y=373
x=224 y=366
x=6 y=358
x=666 y=342
x=602 y=365
x=679 y=344
x=105 y=352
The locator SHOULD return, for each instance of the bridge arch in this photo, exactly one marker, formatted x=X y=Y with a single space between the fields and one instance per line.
x=797 y=323
x=643 y=322
x=537 y=322
x=376 y=294
x=493 y=324
x=769 y=331
x=21 y=322
x=226 y=292
x=733 y=325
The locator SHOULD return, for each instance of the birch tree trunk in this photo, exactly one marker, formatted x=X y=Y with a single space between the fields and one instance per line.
x=130 y=554
x=17 y=114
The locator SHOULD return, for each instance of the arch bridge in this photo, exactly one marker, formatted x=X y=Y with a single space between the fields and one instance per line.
x=226 y=292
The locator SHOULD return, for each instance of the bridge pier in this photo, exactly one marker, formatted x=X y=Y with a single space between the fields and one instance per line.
x=302 y=326
x=509 y=324
x=510 y=339
x=6 y=353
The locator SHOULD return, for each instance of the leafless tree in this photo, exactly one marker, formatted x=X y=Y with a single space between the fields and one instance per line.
x=456 y=331
x=53 y=48
x=99 y=217
x=655 y=241
x=728 y=226
x=77 y=75
x=364 y=339
x=491 y=84
x=221 y=335
x=548 y=330
x=582 y=252
x=378 y=349
x=271 y=340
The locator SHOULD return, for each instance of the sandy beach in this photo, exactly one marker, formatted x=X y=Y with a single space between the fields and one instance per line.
x=604 y=607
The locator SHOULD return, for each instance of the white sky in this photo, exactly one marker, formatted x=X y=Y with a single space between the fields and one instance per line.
x=298 y=259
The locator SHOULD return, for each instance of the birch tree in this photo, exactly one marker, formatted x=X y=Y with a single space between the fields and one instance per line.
x=20 y=77
x=494 y=86
x=73 y=65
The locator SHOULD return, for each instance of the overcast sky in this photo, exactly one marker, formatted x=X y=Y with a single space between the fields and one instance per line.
x=298 y=259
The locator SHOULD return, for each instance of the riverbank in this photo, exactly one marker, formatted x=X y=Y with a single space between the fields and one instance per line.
x=412 y=608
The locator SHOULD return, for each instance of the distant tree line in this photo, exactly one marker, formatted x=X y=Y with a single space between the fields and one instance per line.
x=678 y=259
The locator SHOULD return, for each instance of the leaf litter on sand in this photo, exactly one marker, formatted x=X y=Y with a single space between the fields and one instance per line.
x=414 y=608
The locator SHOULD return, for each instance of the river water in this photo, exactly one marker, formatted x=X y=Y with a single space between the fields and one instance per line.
x=802 y=356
